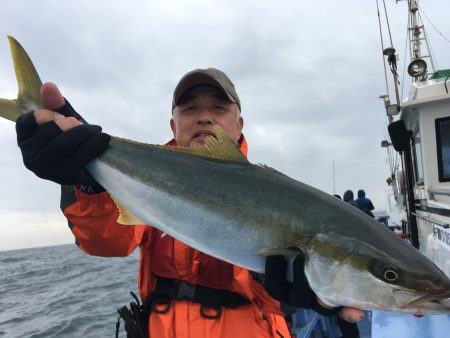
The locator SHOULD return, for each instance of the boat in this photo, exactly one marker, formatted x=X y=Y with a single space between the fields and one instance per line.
x=418 y=198
x=419 y=130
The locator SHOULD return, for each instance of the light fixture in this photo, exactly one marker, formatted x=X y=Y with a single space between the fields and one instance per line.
x=392 y=109
x=417 y=67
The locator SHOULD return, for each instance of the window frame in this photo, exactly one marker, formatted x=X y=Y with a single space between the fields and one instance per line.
x=440 y=163
x=416 y=161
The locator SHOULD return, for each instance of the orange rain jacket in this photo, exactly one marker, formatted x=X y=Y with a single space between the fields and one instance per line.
x=93 y=221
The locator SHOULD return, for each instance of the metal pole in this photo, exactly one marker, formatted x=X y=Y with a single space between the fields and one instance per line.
x=334 y=181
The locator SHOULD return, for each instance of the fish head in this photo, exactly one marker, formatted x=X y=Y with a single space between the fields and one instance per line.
x=351 y=273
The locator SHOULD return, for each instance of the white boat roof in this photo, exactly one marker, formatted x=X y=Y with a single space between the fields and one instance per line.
x=435 y=89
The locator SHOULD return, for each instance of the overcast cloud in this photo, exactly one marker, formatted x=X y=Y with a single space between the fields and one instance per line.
x=309 y=74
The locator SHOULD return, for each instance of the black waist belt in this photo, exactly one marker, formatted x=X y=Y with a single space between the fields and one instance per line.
x=211 y=300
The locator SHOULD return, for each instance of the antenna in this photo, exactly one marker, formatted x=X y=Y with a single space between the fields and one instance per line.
x=389 y=52
x=417 y=68
x=334 y=181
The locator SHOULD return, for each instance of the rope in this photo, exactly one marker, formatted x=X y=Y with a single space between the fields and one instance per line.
x=44 y=215
x=387 y=21
x=431 y=23
x=430 y=49
x=33 y=194
x=404 y=58
x=382 y=49
x=393 y=156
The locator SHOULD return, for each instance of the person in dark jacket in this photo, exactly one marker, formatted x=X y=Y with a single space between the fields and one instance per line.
x=349 y=198
x=363 y=202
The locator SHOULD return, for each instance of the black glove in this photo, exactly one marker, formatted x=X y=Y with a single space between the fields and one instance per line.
x=298 y=293
x=60 y=156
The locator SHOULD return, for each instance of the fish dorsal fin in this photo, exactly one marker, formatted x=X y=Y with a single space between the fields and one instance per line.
x=264 y=166
x=220 y=147
x=126 y=217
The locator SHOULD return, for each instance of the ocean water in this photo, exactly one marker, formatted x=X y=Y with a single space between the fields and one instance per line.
x=62 y=292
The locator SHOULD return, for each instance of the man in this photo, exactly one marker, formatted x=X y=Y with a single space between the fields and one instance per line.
x=188 y=292
x=349 y=198
x=363 y=202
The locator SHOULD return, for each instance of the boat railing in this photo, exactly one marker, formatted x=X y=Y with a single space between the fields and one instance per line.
x=432 y=220
x=309 y=324
x=434 y=191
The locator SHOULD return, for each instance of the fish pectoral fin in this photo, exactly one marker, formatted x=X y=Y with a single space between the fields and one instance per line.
x=288 y=252
x=126 y=217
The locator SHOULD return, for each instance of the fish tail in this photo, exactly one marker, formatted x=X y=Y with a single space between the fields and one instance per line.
x=28 y=81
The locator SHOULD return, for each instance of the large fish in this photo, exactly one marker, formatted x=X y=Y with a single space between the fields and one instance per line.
x=213 y=199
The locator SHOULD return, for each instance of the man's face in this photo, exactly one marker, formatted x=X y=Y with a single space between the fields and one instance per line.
x=198 y=110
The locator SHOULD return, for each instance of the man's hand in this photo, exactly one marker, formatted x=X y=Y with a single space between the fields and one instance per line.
x=299 y=294
x=55 y=145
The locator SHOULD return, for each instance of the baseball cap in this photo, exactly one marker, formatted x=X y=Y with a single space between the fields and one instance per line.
x=208 y=76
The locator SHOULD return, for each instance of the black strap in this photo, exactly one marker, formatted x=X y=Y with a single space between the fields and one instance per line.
x=159 y=301
x=211 y=300
x=135 y=324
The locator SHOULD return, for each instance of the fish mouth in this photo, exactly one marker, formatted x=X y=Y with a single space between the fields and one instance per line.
x=423 y=303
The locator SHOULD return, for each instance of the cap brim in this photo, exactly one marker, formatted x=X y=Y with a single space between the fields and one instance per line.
x=197 y=79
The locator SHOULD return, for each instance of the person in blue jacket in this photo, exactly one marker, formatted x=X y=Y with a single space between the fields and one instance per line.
x=363 y=202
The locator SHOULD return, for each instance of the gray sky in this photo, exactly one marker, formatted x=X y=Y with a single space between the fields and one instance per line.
x=309 y=74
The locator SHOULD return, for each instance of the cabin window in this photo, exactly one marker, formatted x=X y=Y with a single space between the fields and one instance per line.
x=418 y=164
x=443 y=148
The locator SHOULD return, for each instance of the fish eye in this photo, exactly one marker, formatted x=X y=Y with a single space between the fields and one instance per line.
x=390 y=275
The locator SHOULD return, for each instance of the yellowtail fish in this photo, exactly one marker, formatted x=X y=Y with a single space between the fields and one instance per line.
x=213 y=199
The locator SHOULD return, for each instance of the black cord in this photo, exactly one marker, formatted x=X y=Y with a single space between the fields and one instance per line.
x=445 y=83
x=136 y=298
